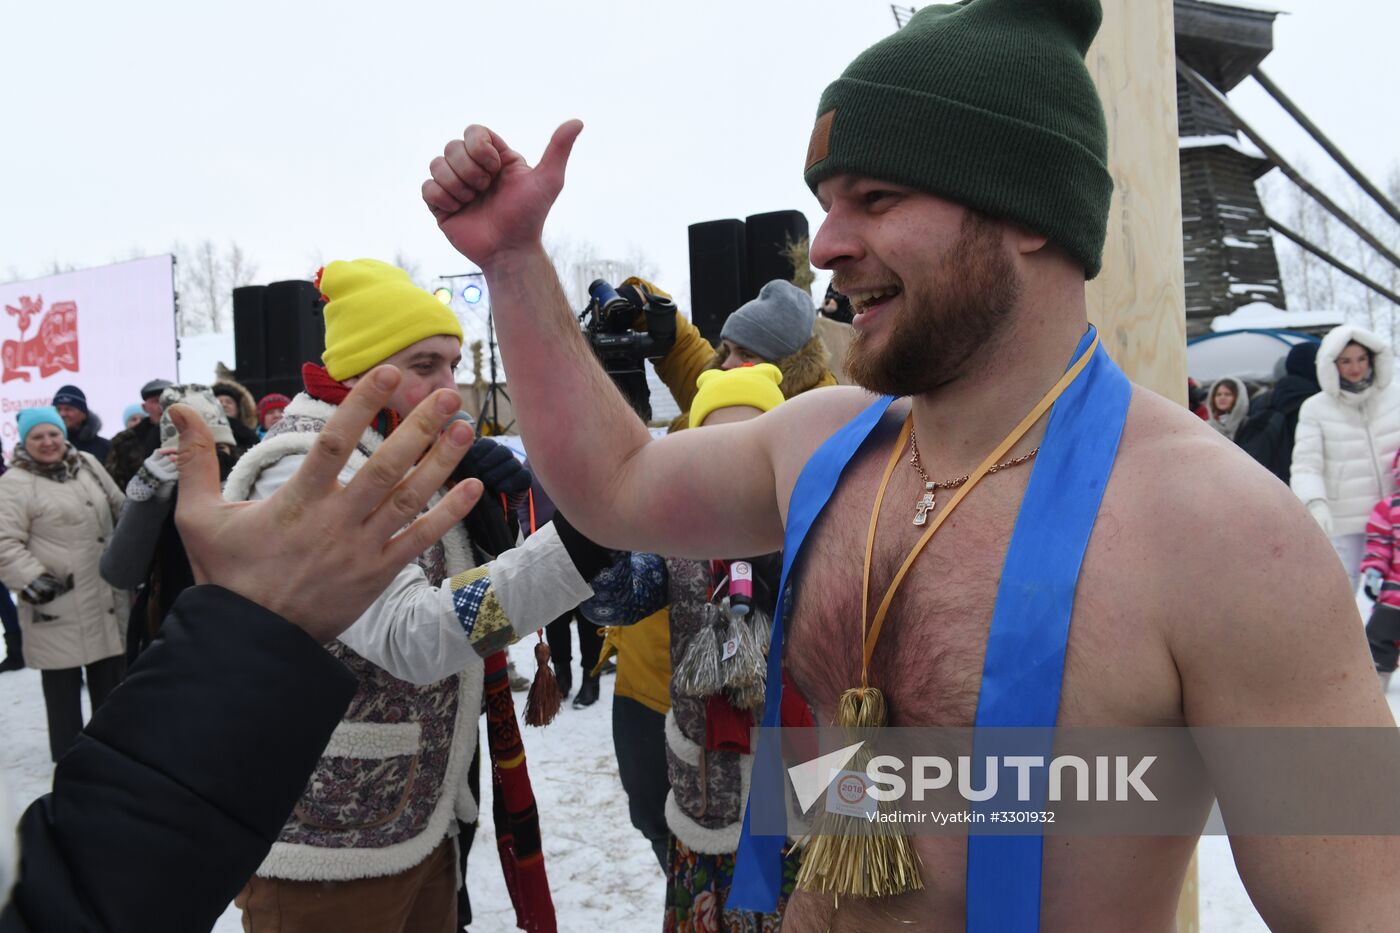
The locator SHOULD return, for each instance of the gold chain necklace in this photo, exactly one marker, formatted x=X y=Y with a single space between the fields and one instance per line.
x=927 y=500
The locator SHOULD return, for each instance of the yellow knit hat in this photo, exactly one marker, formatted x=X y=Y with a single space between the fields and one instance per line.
x=754 y=386
x=373 y=311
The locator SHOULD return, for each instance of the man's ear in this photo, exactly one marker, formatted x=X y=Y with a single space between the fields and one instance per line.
x=1025 y=240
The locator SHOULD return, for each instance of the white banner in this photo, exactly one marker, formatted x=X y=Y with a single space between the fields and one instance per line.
x=107 y=331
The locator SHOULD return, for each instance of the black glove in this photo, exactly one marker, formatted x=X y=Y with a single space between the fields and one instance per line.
x=45 y=588
x=489 y=529
x=837 y=306
x=589 y=557
x=656 y=316
x=495 y=466
x=1383 y=631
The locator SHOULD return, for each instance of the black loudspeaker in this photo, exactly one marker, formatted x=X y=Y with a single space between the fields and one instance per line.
x=295 y=334
x=249 y=335
x=768 y=237
x=717 y=274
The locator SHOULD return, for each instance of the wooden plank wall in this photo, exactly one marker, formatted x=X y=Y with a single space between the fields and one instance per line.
x=1230 y=258
x=1138 y=300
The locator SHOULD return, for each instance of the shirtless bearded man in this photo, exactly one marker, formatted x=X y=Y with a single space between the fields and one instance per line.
x=961 y=165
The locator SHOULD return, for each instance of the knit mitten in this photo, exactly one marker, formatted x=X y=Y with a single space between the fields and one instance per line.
x=156 y=478
x=1371 y=583
x=495 y=466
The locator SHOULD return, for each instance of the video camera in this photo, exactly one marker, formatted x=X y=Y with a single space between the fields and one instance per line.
x=609 y=322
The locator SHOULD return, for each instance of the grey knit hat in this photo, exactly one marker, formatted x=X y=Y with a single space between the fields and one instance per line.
x=202 y=400
x=774 y=325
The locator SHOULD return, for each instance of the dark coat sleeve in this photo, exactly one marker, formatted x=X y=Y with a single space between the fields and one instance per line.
x=176 y=790
x=767 y=574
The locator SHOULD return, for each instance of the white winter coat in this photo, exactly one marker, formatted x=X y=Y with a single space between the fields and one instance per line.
x=1345 y=441
x=61 y=528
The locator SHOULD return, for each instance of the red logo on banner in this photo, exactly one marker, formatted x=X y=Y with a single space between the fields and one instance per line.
x=53 y=348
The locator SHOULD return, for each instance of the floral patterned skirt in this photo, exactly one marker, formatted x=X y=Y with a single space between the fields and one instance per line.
x=697 y=886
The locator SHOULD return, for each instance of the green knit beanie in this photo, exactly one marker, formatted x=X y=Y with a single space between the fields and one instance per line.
x=987 y=103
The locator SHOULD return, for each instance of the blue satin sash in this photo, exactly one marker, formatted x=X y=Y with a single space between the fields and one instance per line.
x=1024 y=664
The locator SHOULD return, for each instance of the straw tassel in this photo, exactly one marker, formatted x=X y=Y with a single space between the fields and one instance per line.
x=543 y=701
x=747 y=669
x=699 y=673
x=847 y=855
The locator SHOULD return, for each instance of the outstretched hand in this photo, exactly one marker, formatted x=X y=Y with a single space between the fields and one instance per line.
x=486 y=197
x=316 y=552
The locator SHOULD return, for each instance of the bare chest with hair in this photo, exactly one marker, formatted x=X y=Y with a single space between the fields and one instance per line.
x=928 y=661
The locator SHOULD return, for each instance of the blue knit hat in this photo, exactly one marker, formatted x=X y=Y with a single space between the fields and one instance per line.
x=30 y=418
x=133 y=409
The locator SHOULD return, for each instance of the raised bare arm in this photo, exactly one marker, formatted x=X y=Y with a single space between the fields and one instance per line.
x=685 y=495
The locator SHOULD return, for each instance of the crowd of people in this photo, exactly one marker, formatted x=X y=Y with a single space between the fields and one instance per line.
x=88 y=541
x=384 y=847
x=1329 y=426
x=328 y=583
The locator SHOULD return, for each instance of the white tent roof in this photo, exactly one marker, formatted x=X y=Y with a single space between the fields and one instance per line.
x=1248 y=355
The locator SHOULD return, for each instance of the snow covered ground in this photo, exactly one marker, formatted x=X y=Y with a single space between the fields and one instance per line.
x=602 y=873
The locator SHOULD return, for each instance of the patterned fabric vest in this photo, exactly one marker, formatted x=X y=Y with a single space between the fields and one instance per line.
x=382 y=774
x=711 y=792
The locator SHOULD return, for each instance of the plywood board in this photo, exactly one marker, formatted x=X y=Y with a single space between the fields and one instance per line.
x=1138 y=300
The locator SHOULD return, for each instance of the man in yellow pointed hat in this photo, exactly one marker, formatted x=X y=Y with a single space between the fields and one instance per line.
x=370 y=845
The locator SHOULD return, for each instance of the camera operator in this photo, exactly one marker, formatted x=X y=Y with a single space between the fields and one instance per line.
x=775 y=327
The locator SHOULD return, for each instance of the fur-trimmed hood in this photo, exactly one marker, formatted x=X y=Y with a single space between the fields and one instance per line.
x=802 y=371
x=293 y=439
x=247 y=405
x=1382 y=362
x=1230 y=422
x=92 y=427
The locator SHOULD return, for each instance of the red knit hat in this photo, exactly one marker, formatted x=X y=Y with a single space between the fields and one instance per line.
x=270 y=402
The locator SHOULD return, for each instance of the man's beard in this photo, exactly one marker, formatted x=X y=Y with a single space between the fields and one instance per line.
x=962 y=310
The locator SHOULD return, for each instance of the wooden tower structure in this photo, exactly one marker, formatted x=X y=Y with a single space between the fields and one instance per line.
x=1228 y=249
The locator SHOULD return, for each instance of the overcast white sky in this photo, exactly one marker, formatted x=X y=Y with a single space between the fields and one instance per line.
x=303 y=130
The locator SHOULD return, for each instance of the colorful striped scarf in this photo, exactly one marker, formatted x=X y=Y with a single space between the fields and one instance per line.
x=513 y=806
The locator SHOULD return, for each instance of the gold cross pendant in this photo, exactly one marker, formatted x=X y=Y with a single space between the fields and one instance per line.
x=924 y=505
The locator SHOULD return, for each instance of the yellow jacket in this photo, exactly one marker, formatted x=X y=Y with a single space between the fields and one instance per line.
x=643 y=660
